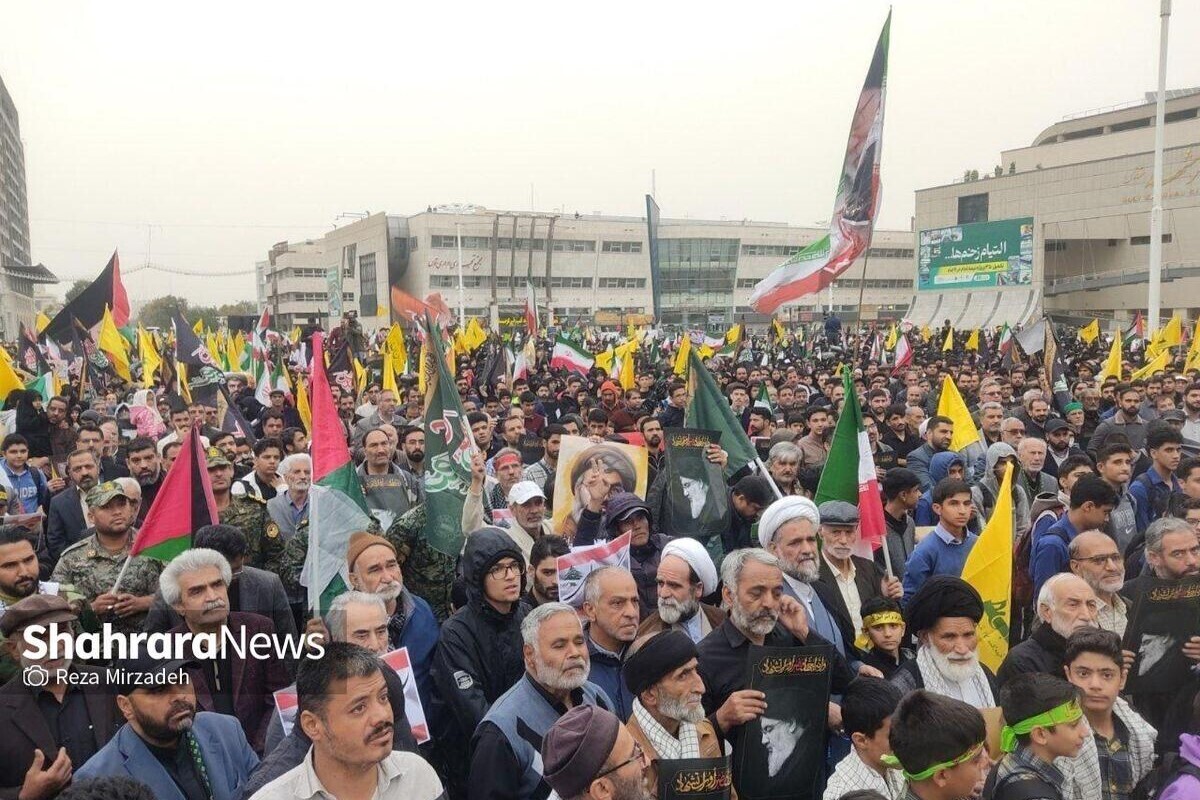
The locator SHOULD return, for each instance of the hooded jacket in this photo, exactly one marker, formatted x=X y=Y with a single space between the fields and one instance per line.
x=644 y=558
x=939 y=467
x=987 y=489
x=479 y=655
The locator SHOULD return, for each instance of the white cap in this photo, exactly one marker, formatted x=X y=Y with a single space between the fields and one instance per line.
x=524 y=491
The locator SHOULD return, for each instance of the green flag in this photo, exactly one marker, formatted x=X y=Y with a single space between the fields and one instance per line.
x=709 y=409
x=449 y=446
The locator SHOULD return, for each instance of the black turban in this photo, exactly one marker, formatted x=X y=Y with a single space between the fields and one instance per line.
x=658 y=657
x=942 y=596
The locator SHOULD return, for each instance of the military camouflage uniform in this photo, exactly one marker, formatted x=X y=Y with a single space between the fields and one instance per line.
x=92 y=570
x=291 y=561
x=264 y=545
x=428 y=573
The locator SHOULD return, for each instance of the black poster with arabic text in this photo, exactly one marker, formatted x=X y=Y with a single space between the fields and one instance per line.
x=695 y=493
x=781 y=755
x=694 y=779
x=1162 y=617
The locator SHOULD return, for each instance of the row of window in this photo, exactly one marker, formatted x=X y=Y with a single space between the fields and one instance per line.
x=539 y=282
x=443 y=242
x=1059 y=245
x=315 y=297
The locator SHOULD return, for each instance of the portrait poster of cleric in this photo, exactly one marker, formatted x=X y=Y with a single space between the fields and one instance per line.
x=586 y=468
x=695 y=779
x=1163 y=616
x=698 y=504
x=780 y=754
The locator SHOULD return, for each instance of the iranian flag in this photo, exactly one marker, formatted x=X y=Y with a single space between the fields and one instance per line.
x=904 y=353
x=337 y=508
x=183 y=504
x=854 y=209
x=263 y=383
x=1004 y=342
x=570 y=356
x=849 y=474
x=531 y=315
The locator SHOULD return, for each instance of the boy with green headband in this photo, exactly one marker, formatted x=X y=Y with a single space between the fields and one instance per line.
x=937 y=744
x=1045 y=722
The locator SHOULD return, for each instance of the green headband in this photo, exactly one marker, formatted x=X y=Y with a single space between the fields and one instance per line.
x=1067 y=712
x=893 y=762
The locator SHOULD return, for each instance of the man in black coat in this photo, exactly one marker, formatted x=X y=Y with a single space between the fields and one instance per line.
x=66 y=523
x=1065 y=604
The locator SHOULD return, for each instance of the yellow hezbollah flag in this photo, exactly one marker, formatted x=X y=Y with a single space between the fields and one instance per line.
x=42 y=321
x=1158 y=363
x=302 y=407
x=198 y=328
x=1193 y=356
x=926 y=333
x=113 y=345
x=397 y=348
x=1112 y=365
x=148 y=354
x=892 y=338
x=948 y=345
x=8 y=379
x=777 y=326
x=989 y=569
x=1090 y=332
x=951 y=405
x=605 y=361
x=389 y=375
x=681 y=357
x=973 y=340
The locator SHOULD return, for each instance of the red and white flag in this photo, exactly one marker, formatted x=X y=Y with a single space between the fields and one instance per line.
x=904 y=353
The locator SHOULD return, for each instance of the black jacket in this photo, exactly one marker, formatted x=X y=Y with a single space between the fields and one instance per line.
x=1042 y=652
x=478 y=657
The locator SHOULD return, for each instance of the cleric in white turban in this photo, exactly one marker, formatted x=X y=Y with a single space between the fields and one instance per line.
x=686 y=574
x=783 y=511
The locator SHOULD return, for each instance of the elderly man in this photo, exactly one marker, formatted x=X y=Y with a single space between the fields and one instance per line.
x=588 y=755
x=685 y=575
x=854 y=578
x=91 y=565
x=487 y=497
x=943 y=614
x=385 y=412
x=668 y=710
x=783 y=465
x=289 y=509
x=1012 y=431
x=375 y=569
x=761 y=614
x=1031 y=453
x=526 y=518
x=610 y=604
x=196 y=585
x=55 y=727
x=1065 y=604
x=390 y=490
x=788 y=531
x=359 y=619
x=1095 y=558
x=506 y=762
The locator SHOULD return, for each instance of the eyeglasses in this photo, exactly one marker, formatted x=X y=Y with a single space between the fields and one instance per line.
x=638 y=755
x=501 y=571
x=1102 y=559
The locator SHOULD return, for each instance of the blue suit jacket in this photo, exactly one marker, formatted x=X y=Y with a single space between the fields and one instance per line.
x=226 y=753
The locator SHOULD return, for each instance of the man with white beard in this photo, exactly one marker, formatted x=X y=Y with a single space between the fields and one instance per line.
x=668 y=715
x=1065 y=604
x=1095 y=558
x=943 y=614
x=505 y=762
x=685 y=574
x=788 y=530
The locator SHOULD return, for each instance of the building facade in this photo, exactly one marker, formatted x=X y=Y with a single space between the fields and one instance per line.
x=585 y=268
x=18 y=276
x=1085 y=183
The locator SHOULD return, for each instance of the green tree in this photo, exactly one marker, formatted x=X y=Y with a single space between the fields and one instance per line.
x=77 y=289
x=240 y=308
x=157 y=313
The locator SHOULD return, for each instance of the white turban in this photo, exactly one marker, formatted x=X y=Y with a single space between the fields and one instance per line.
x=784 y=511
x=697 y=558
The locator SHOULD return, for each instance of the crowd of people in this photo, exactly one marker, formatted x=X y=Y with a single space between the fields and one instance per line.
x=521 y=694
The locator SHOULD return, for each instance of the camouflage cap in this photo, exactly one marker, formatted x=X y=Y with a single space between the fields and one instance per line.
x=102 y=494
x=216 y=458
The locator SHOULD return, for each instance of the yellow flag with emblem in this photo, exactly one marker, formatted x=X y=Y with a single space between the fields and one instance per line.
x=1090 y=332
x=148 y=354
x=1112 y=365
x=948 y=345
x=1157 y=364
x=113 y=345
x=681 y=357
x=388 y=383
x=973 y=341
x=42 y=322
x=892 y=337
x=926 y=333
x=989 y=569
x=302 y=406
x=397 y=348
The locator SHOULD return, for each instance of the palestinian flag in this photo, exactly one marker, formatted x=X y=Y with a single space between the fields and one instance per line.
x=337 y=508
x=88 y=307
x=570 y=356
x=1137 y=330
x=849 y=474
x=183 y=505
x=854 y=209
x=449 y=445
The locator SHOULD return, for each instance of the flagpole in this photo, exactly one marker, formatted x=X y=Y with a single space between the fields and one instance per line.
x=462 y=301
x=1155 y=282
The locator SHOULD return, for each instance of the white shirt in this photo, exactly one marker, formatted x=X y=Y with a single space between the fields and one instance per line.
x=853 y=774
x=848 y=589
x=402 y=776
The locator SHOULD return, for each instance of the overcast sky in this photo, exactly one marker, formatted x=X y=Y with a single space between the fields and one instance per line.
x=195 y=136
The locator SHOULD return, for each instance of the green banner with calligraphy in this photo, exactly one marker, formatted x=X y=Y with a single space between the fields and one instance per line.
x=981 y=255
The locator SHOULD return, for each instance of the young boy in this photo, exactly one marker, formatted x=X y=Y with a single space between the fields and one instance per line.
x=1120 y=750
x=937 y=744
x=944 y=551
x=1045 y=722
x=882 y=635
x=867 y=708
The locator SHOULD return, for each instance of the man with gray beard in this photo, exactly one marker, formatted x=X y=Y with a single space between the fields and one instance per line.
x=1095 y=558
x=668 y=711
x=685 y=574
x=506 y=762
x=761 y=614
x=943 y=614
